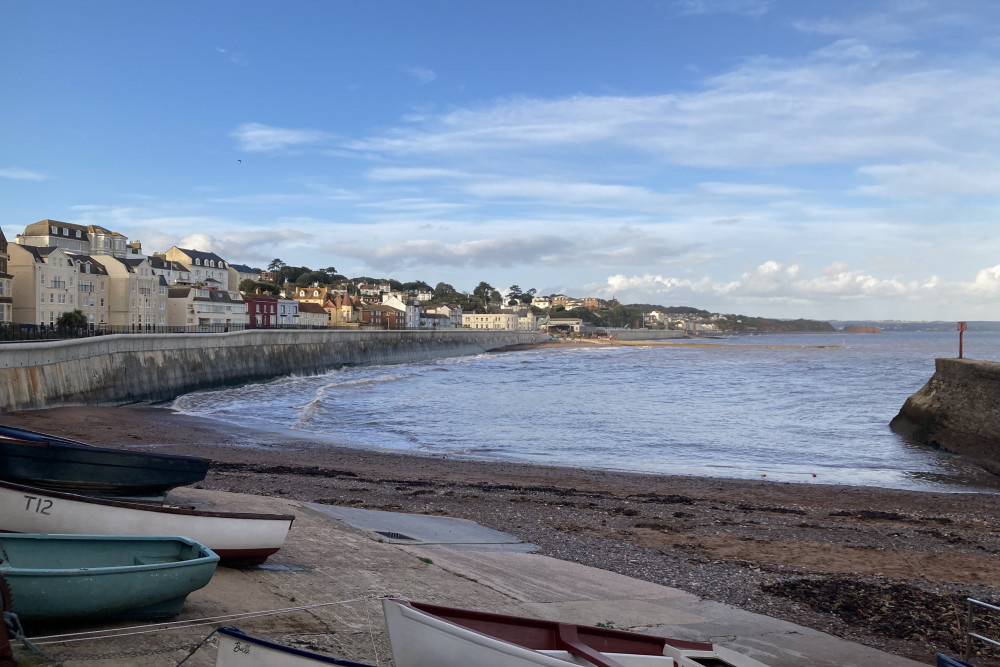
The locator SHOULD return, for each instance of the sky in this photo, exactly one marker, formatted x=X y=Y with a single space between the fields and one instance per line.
x=777 y=158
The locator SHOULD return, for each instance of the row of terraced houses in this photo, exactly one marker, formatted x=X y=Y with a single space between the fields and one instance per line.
x=57 y=267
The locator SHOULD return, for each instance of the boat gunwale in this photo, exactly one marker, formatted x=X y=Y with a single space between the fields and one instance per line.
x=47 y=441
x=206 y=557
x=145 y=507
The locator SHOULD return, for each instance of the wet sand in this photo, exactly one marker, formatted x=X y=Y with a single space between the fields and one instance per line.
x=884 y=567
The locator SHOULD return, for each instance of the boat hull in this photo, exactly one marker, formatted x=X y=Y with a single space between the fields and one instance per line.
x=37 y=459
x=72 y=577
x=237 y=649
x=238 y=538
x=425 y=635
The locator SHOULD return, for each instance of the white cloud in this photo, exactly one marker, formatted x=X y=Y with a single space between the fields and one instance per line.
x=575 y=194
x=423 y=75
x=748 y=189
x=745 y=7
x=845 y=104
x=773 y=281
x=256 y=137
x=236 y=58
x=986 y=283
x=413 y=174
x=18 y=174
x=930 y=178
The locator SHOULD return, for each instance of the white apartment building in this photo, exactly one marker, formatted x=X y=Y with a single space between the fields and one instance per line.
x=206 y=268
x=288 y=312
x=200 y=306
x=172 y=272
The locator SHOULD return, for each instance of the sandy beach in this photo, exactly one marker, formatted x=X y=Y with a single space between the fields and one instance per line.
x=887 y=568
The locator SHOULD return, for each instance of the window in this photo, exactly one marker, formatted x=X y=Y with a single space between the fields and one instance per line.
x=65 y=231
x=78 y=236
x=55 y=230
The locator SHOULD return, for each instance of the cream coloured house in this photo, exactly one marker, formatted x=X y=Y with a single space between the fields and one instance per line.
x=137 y=296
x=506 y=321
x=87 y=239
x=44 y=284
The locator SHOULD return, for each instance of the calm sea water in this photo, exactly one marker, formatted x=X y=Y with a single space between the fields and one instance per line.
x=815 y=411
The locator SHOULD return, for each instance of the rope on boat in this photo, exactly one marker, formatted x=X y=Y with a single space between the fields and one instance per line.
x=179 y=625
x=195 y=649
x=371 y=633
x=17 y=632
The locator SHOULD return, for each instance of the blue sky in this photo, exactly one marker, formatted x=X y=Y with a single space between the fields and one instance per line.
x=830 y=160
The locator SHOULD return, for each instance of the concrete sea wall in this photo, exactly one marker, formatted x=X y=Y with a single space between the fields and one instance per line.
x=958 y=410
x=121 y=369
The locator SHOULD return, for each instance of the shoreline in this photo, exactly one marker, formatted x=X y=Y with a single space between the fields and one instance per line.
x=825 y=556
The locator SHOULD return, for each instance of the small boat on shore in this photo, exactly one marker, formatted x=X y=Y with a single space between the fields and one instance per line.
x=425 y=635
x=238 y=538
x=52 y=462
x=67 y=577
x=237 y=649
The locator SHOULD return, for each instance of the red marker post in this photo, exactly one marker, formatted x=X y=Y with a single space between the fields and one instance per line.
x=962 y=326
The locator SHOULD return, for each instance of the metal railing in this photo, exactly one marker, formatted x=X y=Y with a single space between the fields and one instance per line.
x=970 y=635
x=30 y=332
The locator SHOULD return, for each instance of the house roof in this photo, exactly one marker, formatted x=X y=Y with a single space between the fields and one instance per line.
x=96 y=267
x=201 y=294
x=199 y=254
x=167 y=264
x=44 y=228
x=306 y=307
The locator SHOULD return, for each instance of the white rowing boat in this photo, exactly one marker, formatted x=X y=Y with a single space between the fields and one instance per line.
x=424 y=635
x=238 y=538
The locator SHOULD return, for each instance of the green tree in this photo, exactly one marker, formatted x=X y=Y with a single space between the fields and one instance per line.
x=73 y=319
x=483 y=290
x=309 y=277
x=444 y=291
x=416 y=286
x=276 y=265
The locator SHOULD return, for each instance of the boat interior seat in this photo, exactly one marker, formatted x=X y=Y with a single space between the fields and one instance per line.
x=157 y=559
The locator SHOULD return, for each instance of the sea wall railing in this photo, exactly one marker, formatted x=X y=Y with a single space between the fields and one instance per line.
x=970 y=635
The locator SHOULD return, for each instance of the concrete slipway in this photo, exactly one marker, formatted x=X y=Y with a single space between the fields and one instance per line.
x=324 y=583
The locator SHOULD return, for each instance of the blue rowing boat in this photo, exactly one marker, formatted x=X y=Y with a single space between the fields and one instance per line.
x=53 y=462
x=73 y=577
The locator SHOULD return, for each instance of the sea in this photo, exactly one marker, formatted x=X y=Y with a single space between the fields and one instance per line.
x=808 y=408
